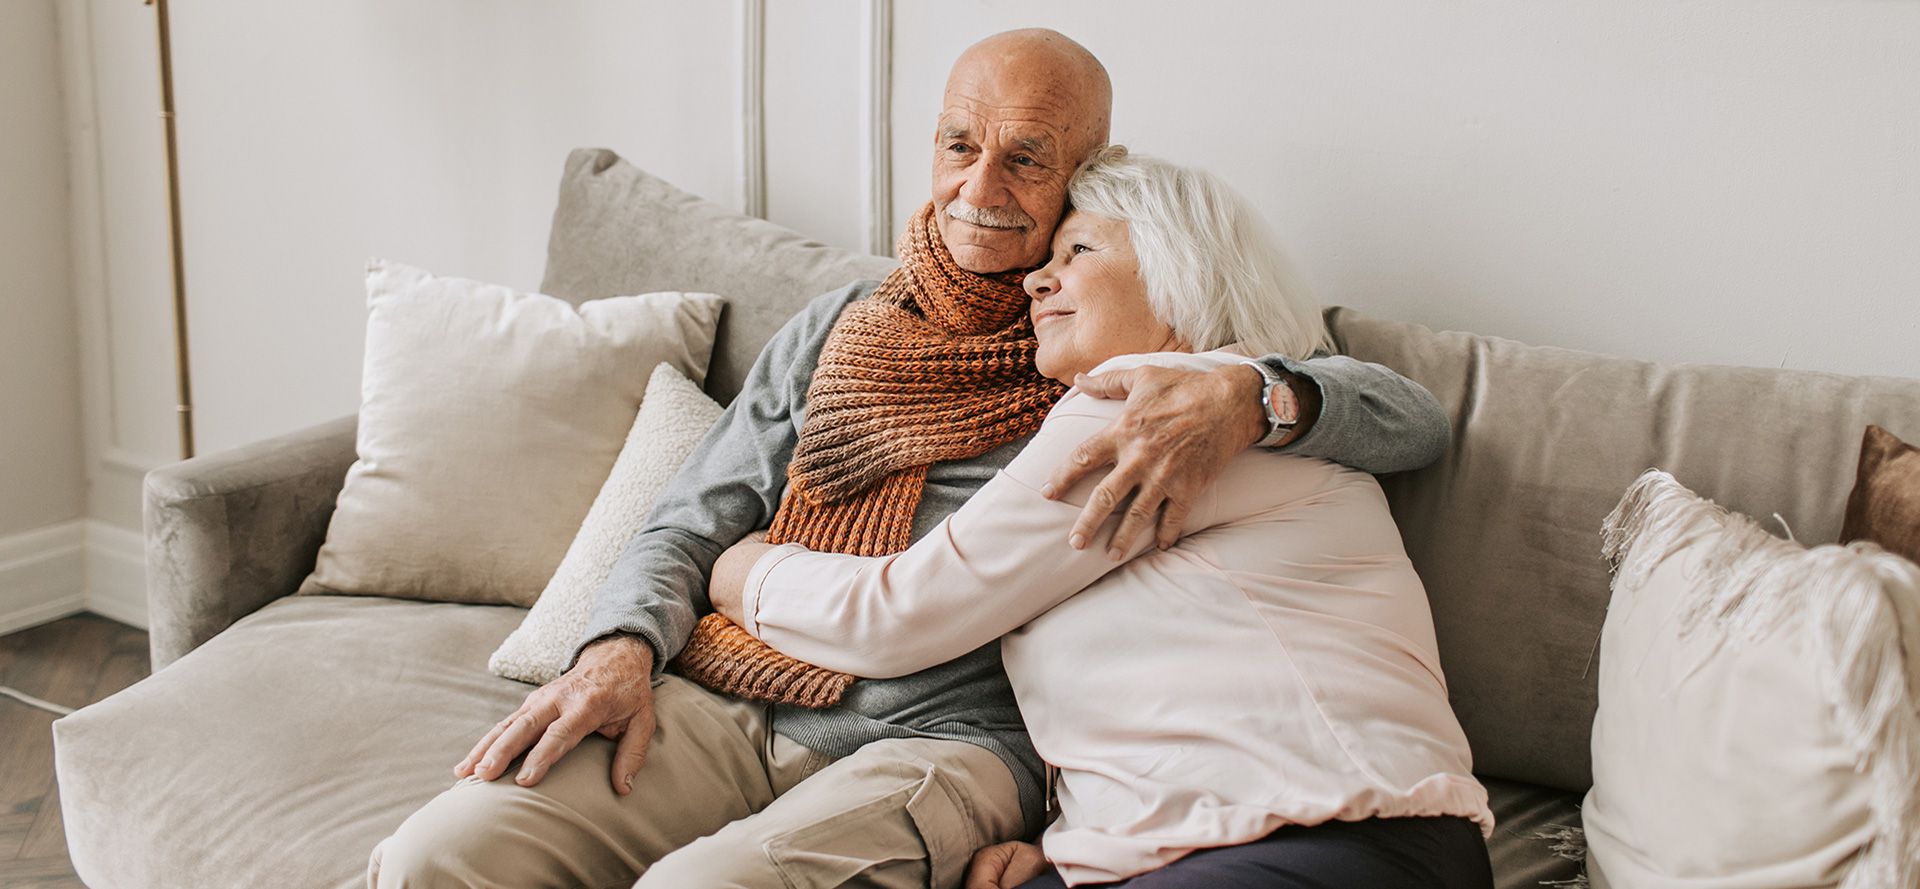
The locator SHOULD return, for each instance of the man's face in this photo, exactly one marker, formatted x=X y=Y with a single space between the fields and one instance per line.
x=1002 y=157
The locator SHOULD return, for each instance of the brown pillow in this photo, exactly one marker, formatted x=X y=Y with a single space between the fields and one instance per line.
x=1885 y=506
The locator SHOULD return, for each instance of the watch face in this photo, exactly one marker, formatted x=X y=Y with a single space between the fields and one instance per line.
x=1285 y=409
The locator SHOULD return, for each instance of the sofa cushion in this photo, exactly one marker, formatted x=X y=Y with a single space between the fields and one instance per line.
x=1505 y=528
x=619 y=230
x=281 y=751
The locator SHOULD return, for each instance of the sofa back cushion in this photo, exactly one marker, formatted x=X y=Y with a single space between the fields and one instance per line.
x=1505 y=529
x=620 y=230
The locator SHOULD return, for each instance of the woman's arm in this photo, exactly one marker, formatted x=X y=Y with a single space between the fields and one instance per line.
x=999 y=561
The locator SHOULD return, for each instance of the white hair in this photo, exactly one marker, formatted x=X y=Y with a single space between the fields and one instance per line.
x=1214 y=272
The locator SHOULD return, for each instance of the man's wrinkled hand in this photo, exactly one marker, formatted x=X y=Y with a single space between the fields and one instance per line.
x=1175 y=436
x=607 y=691
x=1005 y=865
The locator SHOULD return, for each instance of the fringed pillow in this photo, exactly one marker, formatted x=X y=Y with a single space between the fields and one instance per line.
x=1757 y=722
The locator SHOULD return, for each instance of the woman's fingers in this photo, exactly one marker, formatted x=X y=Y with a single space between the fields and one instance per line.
x=984 y=871
x=1005 y=865
x=1026 y=863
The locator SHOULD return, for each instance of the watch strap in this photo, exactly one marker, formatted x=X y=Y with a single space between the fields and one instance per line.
x=1277 y=428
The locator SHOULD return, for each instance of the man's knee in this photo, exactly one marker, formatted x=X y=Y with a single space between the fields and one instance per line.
x=439 y=845
x=479 y=834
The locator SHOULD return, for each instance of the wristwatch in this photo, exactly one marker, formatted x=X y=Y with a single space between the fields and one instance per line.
x=1276 y=398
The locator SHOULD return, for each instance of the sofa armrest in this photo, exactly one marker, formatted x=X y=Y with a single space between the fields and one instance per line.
x=229 y=532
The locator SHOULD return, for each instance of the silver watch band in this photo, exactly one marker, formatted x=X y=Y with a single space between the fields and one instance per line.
x=1276 y=428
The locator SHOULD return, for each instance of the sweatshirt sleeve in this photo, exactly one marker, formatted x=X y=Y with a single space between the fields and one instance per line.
x=729 y=487
x=999 y=561
x=1371 y=418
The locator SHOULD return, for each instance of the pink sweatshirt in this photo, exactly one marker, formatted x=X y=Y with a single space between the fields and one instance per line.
x=1277 y=666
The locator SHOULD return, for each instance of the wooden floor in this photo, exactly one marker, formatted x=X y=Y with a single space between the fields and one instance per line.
x=72 y=662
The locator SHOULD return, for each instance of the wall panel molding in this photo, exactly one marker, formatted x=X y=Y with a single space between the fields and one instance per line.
x=877 y=126
x=87 y=230
x=113 y=469
x=753 y=107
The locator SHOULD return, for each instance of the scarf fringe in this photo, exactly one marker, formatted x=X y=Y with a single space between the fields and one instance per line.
x=1861 y=608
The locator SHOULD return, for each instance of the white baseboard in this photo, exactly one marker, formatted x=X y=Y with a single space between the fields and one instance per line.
x=79 y=565
x=42 y=575
x=116 y=573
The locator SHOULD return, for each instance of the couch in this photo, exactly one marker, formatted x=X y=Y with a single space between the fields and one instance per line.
x=281 y=736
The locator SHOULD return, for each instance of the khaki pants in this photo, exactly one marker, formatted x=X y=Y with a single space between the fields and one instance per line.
x=722 y=801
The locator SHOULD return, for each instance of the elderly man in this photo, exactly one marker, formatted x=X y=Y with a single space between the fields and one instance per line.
x=868 y=418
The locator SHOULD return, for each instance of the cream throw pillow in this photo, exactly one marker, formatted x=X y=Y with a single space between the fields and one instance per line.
x=1757 y=723
x=488 y=421
x=673 y=418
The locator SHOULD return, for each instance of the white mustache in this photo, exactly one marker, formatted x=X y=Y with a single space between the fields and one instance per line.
x=989 y=218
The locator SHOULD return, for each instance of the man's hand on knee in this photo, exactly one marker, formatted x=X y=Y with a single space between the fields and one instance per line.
x=607 y=691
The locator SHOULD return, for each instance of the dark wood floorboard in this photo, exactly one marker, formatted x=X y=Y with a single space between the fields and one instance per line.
x=73 y=662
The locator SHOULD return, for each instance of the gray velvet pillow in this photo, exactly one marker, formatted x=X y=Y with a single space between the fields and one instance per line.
x=1505 y=529
x=621 y=230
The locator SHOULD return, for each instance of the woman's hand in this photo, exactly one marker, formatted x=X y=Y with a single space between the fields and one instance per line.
x=729 y=578
x=1005 y=865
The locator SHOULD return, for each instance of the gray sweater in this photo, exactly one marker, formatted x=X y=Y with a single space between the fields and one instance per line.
x=1370 y=418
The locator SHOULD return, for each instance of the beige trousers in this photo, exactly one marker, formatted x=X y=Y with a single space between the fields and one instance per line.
x=722 y=801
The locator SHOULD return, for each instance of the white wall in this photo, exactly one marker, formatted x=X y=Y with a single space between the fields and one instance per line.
x=41 y=479
x=1723 y=181
x=43 y=536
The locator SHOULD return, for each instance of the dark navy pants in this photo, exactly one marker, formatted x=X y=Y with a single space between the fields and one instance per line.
x=1382 y=853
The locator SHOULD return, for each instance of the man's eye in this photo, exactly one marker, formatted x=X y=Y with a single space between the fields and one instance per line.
x=1024 y=160
x=958 y=148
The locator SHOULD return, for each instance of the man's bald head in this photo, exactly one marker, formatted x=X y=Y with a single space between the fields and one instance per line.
x=1022 y=110
x=1046 y=67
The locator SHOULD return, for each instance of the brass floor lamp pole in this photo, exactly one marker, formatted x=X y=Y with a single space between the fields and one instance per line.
x=184 y=407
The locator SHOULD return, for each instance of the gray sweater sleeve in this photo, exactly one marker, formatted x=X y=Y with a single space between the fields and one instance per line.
x=1371 y=418
x=726 y=490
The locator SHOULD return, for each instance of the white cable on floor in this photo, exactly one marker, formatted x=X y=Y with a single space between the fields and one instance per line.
x=32 y=701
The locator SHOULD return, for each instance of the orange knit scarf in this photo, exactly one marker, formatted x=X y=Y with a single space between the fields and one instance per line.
x=936 y=365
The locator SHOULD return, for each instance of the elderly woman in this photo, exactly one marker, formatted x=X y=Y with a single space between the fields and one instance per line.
x=1259 y=705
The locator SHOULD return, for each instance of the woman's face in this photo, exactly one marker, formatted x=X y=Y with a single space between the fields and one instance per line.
x=1089 y=303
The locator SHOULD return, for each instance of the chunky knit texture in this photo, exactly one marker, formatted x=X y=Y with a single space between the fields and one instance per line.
x=936 y=365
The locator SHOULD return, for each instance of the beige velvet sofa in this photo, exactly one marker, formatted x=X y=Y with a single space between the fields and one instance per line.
x=281 y=736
